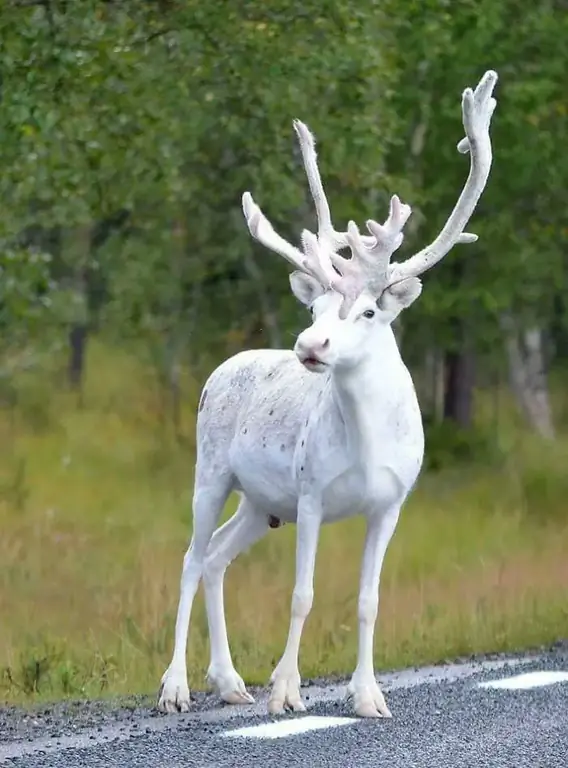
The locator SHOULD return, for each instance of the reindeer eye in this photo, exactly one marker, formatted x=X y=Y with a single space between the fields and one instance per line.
x=369 y=313
x=311 y=309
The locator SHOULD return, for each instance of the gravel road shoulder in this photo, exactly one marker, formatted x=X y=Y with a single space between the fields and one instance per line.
x=69 y=718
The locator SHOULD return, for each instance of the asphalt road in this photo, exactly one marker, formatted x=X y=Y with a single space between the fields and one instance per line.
x=442 y=716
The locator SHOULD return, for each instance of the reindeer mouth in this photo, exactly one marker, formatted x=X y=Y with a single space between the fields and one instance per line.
x=313 y=363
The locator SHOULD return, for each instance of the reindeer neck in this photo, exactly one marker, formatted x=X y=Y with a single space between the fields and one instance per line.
x=371 y=396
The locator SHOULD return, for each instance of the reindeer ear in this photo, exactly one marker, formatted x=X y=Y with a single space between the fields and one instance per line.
x=305 y=288
x=400 y=295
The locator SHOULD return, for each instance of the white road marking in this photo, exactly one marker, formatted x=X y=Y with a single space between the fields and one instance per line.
x=528 y=680
x=290 y=727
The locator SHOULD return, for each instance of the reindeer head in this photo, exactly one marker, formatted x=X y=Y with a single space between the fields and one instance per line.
x=352 y=299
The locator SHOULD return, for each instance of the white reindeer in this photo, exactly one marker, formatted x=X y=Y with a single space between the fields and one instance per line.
x=313 y=449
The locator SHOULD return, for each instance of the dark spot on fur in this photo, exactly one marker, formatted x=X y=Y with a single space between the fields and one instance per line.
x=245 y=430
x=274 y=522
x=282 y=447
x=306 y=422
x=203 y=399
x=270 y=412
x=301 y=469
x=302 y=443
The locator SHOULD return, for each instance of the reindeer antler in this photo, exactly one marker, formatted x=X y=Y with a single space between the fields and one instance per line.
x=370 y=255
x=369 y=267
x=477 y=108
x=311 y=261
x=369 y=263
x=328 y=237
x=315 y=260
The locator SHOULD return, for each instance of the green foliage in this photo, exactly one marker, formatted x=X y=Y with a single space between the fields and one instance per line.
x=518 y=261
x=159 y=116
x=168 y=116
x=24 y=289
x=31 y=310
x=449 y=446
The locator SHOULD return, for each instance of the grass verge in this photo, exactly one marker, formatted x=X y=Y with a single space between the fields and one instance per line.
x=95 y=516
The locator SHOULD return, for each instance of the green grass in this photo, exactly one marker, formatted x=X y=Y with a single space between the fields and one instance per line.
x=95 y=517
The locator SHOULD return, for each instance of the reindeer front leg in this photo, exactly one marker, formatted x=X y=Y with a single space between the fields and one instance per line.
x=286 y=677
x=368 y=700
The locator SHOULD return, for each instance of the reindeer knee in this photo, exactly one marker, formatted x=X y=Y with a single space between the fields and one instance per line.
x=368 y=607
x=213 y=571
x=302 y=600
x=192 y=568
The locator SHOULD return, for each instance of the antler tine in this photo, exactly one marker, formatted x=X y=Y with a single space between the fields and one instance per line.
x=313 y=261
x=368 y=267
x=318 y=261
x=316 y=257
x=477 y=109
x=262 y=230
x=371 y=254
x=328 y=237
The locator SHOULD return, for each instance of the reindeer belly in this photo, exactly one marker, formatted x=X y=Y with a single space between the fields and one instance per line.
x=263 y=473
x=344 y=497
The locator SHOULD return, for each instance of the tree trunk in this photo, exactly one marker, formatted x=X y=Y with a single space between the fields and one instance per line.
x=76 y=245
x=269 y=316
x=78 y=336
x=434 y=386
x=459 y=380
x=527 y=374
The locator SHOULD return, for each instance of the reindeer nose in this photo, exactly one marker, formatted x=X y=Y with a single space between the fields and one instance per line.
x=309 y=349
x=312 y=346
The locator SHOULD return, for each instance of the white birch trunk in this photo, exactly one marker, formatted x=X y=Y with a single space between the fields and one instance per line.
x=527 y=374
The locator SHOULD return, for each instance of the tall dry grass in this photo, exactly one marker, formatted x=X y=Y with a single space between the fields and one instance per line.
x=95 y=516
